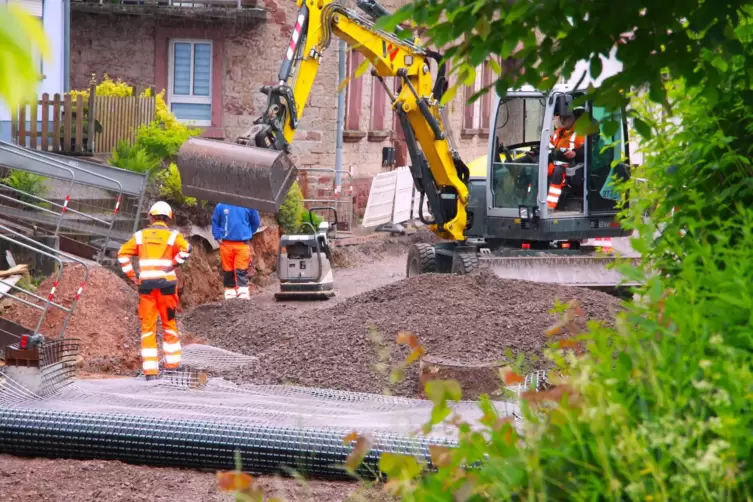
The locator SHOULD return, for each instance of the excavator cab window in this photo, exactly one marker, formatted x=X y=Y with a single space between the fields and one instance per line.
x=603 y=149
x=515 y=163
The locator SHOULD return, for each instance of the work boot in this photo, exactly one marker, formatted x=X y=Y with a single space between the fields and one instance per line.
x=243 y=293
x=230 y=294
x=150 y=378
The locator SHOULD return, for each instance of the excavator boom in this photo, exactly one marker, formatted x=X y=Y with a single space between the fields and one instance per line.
x=257 y=172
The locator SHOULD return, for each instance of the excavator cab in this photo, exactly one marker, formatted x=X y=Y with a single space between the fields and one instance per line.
x=524 y=164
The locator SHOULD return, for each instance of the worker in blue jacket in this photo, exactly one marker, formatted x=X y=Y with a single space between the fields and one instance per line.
x=233 y=227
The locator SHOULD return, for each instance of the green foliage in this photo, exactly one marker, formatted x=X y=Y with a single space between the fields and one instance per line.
x=291 y=211
x=30 y=183
x=20 y=36
x=657 y=407
x=669 y=37
x=310 y=217
x=171 y=189
x=134 y=158
x=163 y=142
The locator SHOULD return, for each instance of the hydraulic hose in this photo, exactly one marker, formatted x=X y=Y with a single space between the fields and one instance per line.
x=199 y=444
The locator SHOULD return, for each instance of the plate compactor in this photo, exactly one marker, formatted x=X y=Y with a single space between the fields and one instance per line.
x=304 y=261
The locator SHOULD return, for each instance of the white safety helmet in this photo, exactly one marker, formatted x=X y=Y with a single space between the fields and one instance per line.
x=161 y=208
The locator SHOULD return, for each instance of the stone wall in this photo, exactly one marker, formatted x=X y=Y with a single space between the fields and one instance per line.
x=124 y=46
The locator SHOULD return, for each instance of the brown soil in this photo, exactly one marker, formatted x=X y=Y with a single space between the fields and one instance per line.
x=23 y=479
x=475 y=318
x=354 y=256
x=105 y=319
x=200 y=279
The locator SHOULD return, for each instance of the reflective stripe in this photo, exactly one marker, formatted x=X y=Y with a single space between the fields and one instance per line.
x=153 y=274
x=184 y=254
x=179 y=260
x=171 y=347
x=552 y=198
x=127 y=268
x=124 y=259
x=172 y=359
x=555 y=190
x=148 y=352
x=150 y=365
x=171 y=332
x=572 y=142
x=173 y=236
x=155 y=263
x=147 y=335
x=137 y=238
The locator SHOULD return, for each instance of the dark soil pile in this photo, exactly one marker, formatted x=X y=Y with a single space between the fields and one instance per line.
x=476 y=318
x=353 y=256
x=105 y=318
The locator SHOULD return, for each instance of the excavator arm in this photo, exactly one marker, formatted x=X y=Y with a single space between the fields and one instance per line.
x=439 y=174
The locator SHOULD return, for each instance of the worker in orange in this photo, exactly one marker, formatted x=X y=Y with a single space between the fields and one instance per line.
x=160 y=250
x=233 y=227
x=566 y=145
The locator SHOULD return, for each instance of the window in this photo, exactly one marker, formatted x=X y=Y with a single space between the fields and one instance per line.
x=354 y=93
x=486 y=99
x=471 y=112
x=190 y=81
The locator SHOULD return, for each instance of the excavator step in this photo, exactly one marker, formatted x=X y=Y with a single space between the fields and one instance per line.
x=245 y=176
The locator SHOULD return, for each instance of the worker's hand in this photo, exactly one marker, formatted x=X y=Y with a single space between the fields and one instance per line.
x=570 y=154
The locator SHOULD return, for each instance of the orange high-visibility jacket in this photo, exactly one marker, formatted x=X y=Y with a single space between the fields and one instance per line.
x=160 y=250
x=563 y=138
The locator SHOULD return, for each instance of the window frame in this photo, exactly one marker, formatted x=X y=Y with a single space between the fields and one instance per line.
x=191 y=99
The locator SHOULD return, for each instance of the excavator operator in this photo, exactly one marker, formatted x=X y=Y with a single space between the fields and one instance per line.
x=567 y=147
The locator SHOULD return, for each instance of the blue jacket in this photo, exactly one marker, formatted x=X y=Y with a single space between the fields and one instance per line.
x=232 y=223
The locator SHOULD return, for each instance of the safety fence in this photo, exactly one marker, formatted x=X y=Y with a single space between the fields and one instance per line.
x=77 y=202
x=41 y=302
x=63 y=123
x=342 y=204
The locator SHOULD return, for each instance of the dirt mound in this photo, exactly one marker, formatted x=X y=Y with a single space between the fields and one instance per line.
x=105 y=318
x=478 y=317
x=354 y=256
x=200 y=280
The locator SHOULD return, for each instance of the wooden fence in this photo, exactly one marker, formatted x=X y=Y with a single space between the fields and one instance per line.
x=55 y=124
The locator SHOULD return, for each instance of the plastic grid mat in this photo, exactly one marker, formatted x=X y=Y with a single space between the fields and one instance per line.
x=191 y=395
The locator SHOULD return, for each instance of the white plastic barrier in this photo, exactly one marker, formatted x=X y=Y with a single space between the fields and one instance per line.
x=379 y=207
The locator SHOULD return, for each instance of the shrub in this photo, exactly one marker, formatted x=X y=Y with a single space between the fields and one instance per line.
x=163 y=143
x=107 y=87
x=27 y=182
x=291 y=211
x=134 y=158
x=171 y=189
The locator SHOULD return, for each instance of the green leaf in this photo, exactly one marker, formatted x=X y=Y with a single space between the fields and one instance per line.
x=483 y=27
x=610 y=127
x=399 y=466
x=642 y=128
x=449 y=94
x=596 y=66
x=585 y=126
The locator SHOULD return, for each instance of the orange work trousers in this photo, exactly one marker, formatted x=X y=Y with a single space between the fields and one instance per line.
x=163 y=305
x=236 y=259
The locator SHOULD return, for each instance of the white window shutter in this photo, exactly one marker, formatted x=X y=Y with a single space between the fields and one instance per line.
x=182 y=75
x=33 y=7
x=201 y=69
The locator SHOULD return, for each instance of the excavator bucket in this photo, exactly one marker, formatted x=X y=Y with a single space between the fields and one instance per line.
x=240 y=175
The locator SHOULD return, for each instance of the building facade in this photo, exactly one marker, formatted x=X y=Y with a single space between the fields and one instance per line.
x=212 y=62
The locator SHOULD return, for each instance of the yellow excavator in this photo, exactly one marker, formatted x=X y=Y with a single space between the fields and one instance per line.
x=495 y=216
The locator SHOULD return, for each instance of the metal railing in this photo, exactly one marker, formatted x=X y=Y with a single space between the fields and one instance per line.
x=348 y=202
x=47 y=302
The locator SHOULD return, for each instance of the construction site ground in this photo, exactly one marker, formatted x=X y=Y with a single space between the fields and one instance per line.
x=346 y=343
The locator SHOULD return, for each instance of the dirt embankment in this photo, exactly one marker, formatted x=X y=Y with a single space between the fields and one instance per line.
x=478 y=317
x=105 y=319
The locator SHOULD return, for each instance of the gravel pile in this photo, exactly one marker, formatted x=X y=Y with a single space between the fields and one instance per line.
x=476 y=318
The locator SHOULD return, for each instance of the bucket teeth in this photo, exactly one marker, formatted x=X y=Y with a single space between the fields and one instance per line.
x=245 y=176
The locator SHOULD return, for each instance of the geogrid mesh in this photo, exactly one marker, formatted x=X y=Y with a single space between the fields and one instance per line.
x=207 y=358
